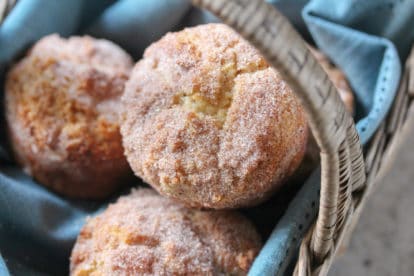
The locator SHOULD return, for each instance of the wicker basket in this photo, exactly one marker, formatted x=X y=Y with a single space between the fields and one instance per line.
x=5 y=8
x=347 y=178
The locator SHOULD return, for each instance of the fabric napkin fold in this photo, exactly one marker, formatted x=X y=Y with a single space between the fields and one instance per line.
x=362 y=38
x=38 y=227
x=134 y=24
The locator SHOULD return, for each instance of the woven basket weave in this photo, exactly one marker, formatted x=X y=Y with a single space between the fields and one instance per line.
x=347 y=178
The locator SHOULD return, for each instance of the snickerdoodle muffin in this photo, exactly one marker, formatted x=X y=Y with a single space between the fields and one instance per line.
x=62 y=101
x=338 y=79
x=146 y=234
x=208 y=122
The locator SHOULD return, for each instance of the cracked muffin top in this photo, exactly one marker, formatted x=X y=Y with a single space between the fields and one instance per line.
x=146 y=234
x=207 y=122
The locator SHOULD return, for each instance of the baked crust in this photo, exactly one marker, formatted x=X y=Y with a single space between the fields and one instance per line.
x=338 y=78
x=62 y=101
x=146 y=234
x=208 y=122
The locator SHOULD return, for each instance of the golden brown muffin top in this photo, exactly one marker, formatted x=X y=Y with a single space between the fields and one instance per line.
x=208 y=122
x=145 y=234
x=64 y=96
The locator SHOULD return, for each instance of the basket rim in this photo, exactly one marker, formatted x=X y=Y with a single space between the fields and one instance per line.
x=342 y=163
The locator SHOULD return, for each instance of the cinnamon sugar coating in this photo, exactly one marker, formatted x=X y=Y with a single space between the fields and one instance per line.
x=62 y=101
x=208 y=122
x=146 y=234
x=338 y=78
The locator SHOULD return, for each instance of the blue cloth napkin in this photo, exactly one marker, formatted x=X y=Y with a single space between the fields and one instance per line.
x=362 y=38
x=365 y=36
x=134 y=24
x=38 y=228
x=3 y=268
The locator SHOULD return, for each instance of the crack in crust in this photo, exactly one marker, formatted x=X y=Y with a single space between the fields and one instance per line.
x=146 y=234
x=208 y=122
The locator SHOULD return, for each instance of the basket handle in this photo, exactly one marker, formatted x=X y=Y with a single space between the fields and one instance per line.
x=341 y=154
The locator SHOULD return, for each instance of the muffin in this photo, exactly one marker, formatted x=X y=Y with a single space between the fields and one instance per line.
x=62 y=101
x=338 y=79
x=146 y=234
x=208 y=122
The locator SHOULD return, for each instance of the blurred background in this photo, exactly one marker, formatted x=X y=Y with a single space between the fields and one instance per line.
x=383 y=241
